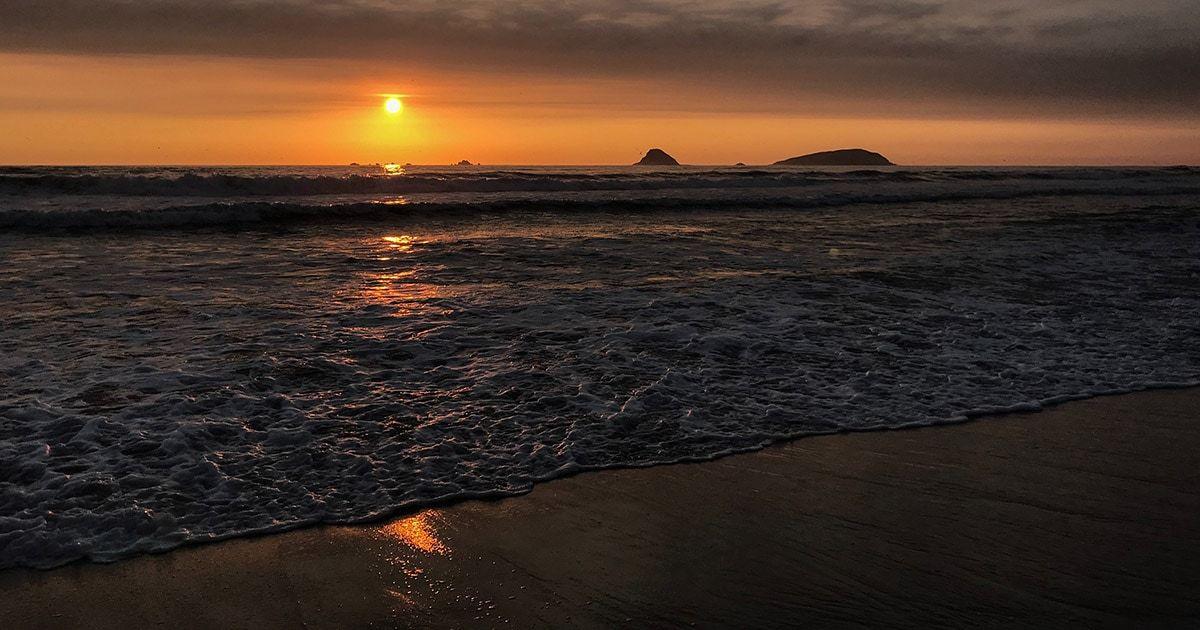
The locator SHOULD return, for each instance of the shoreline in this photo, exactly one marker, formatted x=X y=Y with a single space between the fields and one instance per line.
x=400 y=511
x=1103 y=486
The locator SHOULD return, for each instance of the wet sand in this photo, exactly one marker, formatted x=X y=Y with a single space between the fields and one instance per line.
x=1086 y=514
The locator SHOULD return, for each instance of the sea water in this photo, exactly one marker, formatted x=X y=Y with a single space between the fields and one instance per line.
x=190 y=354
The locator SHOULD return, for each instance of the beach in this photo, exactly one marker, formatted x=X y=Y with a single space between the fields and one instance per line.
x=1086 y=513
x=629 y=314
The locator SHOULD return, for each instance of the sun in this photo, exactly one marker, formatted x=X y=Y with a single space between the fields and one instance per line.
x=393 y=105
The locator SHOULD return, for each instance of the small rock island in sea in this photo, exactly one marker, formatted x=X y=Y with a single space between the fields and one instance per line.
x=657 y=157
x=841 y=157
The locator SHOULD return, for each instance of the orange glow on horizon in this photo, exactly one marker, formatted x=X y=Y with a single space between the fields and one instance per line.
x=59 y=109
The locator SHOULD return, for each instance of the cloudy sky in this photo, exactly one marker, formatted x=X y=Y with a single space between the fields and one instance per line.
x=567 y=81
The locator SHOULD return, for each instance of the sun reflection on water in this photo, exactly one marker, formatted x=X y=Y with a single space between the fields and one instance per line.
x=401 y=242
x=394 y=282
x=399 y=290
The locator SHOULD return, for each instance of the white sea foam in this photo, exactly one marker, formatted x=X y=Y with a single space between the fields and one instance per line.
x=168 y=386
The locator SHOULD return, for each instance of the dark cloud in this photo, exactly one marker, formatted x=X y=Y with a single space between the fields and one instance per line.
x=1092 y=56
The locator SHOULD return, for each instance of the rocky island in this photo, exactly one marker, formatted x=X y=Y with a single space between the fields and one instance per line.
x=841 y=157
x=657 y=157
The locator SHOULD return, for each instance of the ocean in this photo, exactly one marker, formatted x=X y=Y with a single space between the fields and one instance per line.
x=191 y=354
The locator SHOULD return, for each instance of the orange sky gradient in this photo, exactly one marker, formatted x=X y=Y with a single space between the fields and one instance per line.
x=141 y=109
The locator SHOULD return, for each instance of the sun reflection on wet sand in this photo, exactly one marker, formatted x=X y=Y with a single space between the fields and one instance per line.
x=427 y=577
x=419 y=532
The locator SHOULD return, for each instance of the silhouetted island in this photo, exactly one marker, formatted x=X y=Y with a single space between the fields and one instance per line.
x=657 y=157
x=465 y=163
x=841 y=157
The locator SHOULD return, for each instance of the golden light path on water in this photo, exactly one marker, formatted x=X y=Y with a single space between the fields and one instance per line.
x=403 y=242
x=397 y=285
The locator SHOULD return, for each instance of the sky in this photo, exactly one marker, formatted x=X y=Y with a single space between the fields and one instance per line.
x=598 y=82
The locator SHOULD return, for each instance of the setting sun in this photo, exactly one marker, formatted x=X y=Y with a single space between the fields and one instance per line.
x=393 y=105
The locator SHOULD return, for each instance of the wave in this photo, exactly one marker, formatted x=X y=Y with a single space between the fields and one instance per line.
x=250 y=213
x=132 y=182
x=50 y=553
x=220 y=185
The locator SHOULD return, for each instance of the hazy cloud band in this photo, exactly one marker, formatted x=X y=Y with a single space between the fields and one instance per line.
x=1112 y=56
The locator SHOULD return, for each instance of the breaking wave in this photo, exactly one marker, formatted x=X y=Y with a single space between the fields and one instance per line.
x=101 y=201
x=280 y=182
